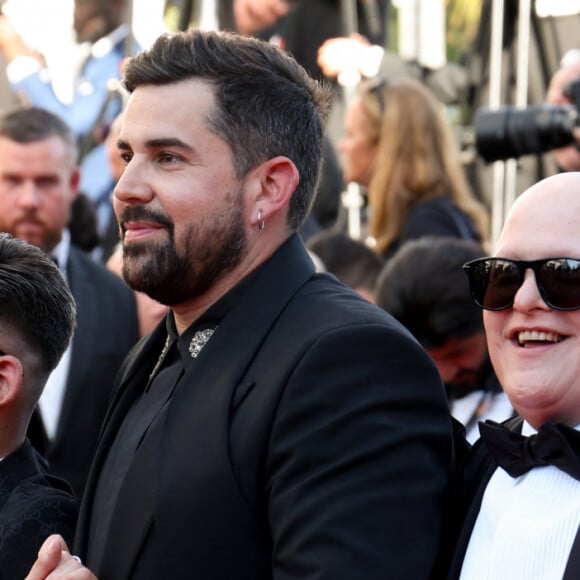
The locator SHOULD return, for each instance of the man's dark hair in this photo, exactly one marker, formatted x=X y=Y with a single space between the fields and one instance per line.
x=350 y=260
x=35 y=302
x=424 y=287
x=32 y=124
x=266 y=104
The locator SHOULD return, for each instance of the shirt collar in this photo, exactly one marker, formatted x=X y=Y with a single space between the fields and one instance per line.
x=61 y=251
x=211 y=318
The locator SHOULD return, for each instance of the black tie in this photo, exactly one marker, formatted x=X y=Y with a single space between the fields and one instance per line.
x=554 y=444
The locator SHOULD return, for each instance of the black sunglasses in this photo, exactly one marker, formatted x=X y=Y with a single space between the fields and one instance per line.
x=494 y=282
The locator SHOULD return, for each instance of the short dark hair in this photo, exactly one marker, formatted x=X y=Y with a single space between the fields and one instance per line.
x=25 y=124
x=267 y=105
x=424 y=287
x=35 y=301
x=350 y=260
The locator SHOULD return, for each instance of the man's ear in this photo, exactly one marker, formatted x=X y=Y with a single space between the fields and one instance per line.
x=274 y=182
x=74 y=183
x=11 y=373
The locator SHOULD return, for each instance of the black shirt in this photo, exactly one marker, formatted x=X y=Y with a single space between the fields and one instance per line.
x=141 y=429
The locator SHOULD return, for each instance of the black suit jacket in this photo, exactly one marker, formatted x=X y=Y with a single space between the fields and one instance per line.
x=310 y=439
x=478 y=470
x=33 y=505
x=107 y=328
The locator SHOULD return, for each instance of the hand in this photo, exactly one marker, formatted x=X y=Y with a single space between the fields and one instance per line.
x=336 y=55
x=254 y=15
x=54 y=559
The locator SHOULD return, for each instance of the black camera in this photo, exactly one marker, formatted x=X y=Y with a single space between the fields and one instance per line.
x=509 y=132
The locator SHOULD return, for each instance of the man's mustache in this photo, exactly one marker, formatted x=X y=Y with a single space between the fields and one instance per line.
x=142 y=213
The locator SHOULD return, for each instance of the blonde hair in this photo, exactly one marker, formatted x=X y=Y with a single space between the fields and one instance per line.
x=417 y=158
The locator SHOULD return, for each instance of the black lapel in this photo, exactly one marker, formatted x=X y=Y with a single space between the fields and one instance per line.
x=479 y=468
x=134 y=375
x=135 y=504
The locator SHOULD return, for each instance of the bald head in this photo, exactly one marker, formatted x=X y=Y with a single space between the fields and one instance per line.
x=545 y=220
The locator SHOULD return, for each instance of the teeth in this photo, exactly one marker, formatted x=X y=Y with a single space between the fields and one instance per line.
x=537 y=336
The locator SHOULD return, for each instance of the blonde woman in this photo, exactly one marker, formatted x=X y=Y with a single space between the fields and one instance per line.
x=399 y=146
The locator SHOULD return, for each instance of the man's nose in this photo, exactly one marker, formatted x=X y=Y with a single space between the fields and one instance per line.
x=28 y=194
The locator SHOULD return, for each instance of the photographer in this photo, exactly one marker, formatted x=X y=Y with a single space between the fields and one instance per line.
x=510 y=132
x=566 y=158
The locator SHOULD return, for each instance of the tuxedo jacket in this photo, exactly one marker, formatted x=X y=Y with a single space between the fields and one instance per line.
x=309 y=439
x=33 y=505
x=478 y=470
x=107 y=328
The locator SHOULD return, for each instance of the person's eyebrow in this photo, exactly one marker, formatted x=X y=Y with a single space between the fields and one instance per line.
x=158 y=143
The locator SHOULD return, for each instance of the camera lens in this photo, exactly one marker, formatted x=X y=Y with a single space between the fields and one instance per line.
x=509 y=132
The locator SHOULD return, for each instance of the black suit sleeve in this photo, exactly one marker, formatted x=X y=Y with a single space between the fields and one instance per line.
x=34 y=509
x=360 y=461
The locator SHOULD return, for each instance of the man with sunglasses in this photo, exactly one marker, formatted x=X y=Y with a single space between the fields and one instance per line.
x=522 y=492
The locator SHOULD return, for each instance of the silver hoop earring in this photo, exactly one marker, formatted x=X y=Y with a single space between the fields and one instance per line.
x=261 y=222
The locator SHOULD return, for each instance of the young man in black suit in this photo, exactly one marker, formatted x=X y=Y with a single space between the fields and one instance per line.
x=39 y=180
x=522 y=505
x=37 y=316
x=276 y=424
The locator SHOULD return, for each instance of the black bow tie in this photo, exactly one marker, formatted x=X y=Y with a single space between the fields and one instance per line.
x=554 y=444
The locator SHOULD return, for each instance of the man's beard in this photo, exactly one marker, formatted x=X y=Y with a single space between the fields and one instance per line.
x=46 y=238
x=474 y=380
x=213 y=248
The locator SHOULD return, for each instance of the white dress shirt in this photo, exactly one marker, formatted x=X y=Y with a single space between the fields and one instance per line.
x=50 y=402
x=526 y=526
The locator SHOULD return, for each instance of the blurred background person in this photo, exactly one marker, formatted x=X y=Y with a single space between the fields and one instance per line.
x=399 y=146
x=559 y=93
x=37 y=316
x=82 y=225
x=39 y=180
x=93 y=99
x=109 y=237
x=424 y=287
x=345 y=54
x=302 y=26
x=350 y=260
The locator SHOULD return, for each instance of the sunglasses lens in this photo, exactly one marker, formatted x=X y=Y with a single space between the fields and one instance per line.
x=494 y=282
x=559 y=281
